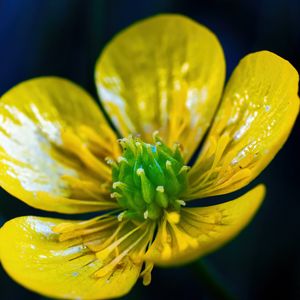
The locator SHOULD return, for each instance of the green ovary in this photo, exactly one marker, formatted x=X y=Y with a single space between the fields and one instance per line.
x=148 y=178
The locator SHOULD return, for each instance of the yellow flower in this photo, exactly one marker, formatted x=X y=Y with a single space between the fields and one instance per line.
x=58 y=153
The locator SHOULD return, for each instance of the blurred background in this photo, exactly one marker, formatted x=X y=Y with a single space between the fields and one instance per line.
x=65 y=37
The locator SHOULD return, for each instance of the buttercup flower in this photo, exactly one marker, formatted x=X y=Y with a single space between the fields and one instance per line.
x=160 y=81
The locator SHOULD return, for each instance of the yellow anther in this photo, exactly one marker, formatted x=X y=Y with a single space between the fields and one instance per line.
x=173 y=217
x=166 y=251
x=146 y=274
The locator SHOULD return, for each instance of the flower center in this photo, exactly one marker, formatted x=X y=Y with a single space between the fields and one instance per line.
x=148 y=178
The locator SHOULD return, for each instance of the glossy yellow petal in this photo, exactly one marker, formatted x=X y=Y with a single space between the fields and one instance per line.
x=164 y=73
x=258 y=111
x=202 y=230
x=53 y=141
x=33 y=255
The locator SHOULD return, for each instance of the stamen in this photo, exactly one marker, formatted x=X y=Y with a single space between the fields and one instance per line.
x=184 y=239
x=103 y=254
x=69 y=231
x=75 y=145
x=146 y=274
x=98 y=247
x=78 y=233
x=110 y=267
x=99 y=143
x=173 y=217
x=165 y=240
x=70 y=226
x=82 y=188
x=114 y=243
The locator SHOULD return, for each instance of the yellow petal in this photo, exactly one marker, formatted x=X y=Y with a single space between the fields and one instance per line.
x=31 y=253
x=164 y=73
x=53 y=140
x=203 y=229
x=258 y=111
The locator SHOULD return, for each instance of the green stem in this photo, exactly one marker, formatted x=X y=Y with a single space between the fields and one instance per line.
x=210 y=281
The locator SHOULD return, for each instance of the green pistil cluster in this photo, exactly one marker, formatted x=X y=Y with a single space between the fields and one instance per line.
x=148 y=178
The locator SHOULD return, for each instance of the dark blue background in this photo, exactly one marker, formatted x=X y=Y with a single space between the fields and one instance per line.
x=64 y=38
